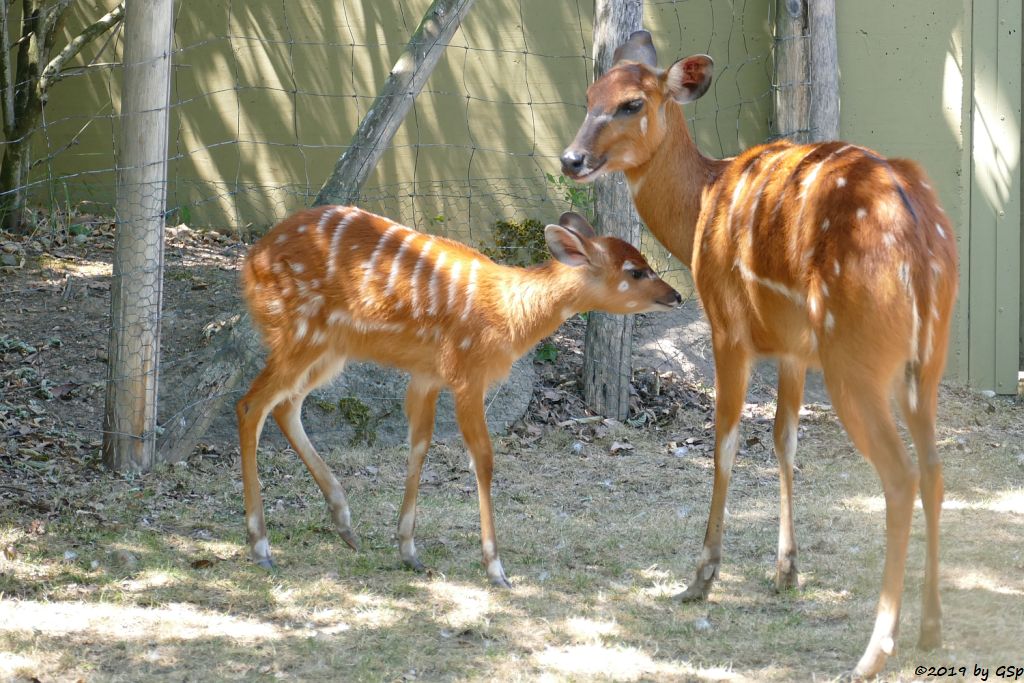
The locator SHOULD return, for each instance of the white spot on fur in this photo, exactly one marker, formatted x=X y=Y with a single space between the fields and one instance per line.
x=840 y=182
x=311 y=306
x=281 y=239
x=862 y=213
x=835 y=267
x=297 y=267
x=824 y=224
x=938 y=229
x=824 y=289
x=925 y=185
x=466 y=343
x=301 y=229
x=888 y=239
x=643 y=126
x=300 y=328
x=623 y=286
x=631 y=304
x=318 y=337
x=273 y=306
x=830 y=321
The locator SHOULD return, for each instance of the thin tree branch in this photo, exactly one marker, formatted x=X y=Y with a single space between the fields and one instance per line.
x=52 y=72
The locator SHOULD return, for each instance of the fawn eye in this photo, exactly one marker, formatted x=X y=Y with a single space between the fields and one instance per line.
x=631 y=107
x=636 y=273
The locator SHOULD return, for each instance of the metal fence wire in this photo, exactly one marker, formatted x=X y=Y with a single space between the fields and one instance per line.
x=264 y=99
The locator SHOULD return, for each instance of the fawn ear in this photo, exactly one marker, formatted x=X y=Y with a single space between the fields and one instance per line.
x=567 y=246
x=578 y=224
x=688 y=78
x=637 y=48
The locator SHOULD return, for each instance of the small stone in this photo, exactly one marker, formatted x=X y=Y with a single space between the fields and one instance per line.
x=988 y=393
x=702 y=624
x=125 y=559
x=10 y=248
x=10 y=260
x=70 y=556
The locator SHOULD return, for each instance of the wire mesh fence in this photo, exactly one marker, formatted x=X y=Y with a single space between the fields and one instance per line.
x=264 y=99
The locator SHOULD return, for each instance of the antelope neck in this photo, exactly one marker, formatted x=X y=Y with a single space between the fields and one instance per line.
x=671 y=184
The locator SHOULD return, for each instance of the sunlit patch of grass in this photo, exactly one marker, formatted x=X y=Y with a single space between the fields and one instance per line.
x=597 y=546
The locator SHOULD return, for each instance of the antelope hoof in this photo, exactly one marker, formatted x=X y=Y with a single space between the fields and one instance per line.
x=786 y=576
x=869 y=666
x=350 y=538
x=701 y=585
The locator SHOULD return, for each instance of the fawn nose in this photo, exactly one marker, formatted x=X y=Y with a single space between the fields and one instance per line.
x=572 y=161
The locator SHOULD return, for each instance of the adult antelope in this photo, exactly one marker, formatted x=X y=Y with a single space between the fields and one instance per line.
x=337 y=283
x=820 y=255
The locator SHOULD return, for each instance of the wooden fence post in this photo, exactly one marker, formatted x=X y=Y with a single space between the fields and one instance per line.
x=792 y=116
x=129 y=421
x=607 y=357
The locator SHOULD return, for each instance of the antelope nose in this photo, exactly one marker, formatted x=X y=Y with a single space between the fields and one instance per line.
x=572 y=161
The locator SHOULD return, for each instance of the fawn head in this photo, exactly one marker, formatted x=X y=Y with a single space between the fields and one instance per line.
x=625 y=122
x=618 y=278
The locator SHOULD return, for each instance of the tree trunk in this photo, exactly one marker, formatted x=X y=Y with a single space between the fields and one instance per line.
x=607 y=356
x=407 y=78
x=129 y=422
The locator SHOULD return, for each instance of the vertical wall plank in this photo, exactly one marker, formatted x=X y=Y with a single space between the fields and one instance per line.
x=995 y=256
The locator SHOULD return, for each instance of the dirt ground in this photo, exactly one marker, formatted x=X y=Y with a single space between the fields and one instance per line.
x=111 y=577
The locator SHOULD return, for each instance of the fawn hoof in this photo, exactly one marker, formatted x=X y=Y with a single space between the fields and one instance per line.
x=265 y=563
x=350 y=538
x=500 y=581
x=414 y=564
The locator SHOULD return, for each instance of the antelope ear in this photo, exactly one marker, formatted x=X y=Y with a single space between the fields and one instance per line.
x=637 y=48
x=578 y=224
x=689 y=78
x=566 y=246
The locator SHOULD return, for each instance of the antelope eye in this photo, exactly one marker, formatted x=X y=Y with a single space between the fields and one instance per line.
x=637 y=273
x=631 y=107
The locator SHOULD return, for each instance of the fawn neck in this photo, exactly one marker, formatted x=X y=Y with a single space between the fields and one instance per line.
x=668 y=189
x=533 y=302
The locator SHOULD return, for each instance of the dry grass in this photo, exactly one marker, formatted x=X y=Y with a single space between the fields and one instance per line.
x=146 y=578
